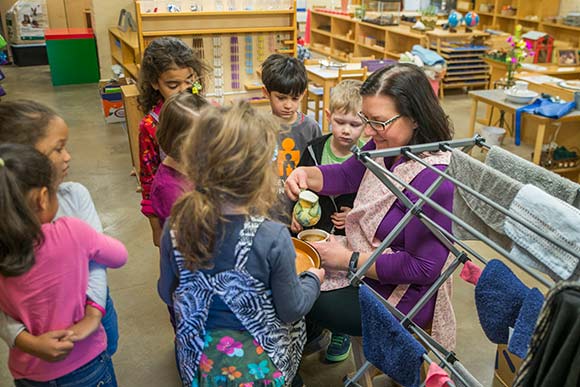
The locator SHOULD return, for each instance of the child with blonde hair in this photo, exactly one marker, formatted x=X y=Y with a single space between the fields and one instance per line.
x=228 y=272
x=334 y=148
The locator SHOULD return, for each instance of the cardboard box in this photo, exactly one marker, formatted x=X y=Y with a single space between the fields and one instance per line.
x=506 y=366
x=112 y=101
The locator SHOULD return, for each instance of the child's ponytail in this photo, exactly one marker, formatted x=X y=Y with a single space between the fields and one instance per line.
x=196 y=218
x=22 y=168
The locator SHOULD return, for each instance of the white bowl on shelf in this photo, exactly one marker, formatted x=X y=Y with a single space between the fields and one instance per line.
x=520 y=96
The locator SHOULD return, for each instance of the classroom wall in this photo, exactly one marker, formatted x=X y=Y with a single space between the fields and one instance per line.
x=567 y=6
x=105 y=15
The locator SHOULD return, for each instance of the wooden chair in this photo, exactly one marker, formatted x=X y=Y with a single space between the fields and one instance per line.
x=356 y=59
x=314 y=94
x=360 y=74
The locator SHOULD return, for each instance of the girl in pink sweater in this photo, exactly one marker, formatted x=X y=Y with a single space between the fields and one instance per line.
x=44 y=273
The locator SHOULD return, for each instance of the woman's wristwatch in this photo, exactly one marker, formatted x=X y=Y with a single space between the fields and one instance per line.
x=353 y=263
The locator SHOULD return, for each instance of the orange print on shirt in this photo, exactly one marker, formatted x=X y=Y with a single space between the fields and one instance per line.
x=288 y=158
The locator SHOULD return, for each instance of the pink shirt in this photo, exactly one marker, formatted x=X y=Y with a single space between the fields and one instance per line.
x=52 y=295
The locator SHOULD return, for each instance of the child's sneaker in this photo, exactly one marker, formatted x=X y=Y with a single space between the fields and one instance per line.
x=339 y=348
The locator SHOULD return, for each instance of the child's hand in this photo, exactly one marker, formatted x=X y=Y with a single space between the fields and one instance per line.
x=295 y=226
x=339 y=218
x=51 y=346
x=88 y=325
x=318 y=272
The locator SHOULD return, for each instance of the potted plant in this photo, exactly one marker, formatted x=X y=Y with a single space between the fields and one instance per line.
x=429 y=17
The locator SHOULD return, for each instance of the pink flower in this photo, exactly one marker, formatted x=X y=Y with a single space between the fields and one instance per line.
x=228 y=345
x=514 y=60
x=510 y=39
x=205 y=364
x=276 y=374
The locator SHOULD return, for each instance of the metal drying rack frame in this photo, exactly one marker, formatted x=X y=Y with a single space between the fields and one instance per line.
x=457 y=247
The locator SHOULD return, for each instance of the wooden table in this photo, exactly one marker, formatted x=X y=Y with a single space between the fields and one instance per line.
x=133 y=115
x=498 y=70
x=327 y=78
x=496 y=98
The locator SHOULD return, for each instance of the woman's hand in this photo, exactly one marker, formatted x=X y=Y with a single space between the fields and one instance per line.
x=334 y=255
x=296 y=182
x=339 y=218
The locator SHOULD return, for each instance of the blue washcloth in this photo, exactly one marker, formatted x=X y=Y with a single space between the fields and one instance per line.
x=499 y=295
x=525 y=324
x=542 y=107
x=429 y=58
x=386 y=344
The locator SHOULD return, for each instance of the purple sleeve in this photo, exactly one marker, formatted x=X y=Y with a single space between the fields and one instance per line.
x=344 y=178
x=419 y=256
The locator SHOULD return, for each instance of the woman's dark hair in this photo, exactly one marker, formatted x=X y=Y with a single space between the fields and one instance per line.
x=164 y=54
x=176 y=119
x=414 y=98
x=22 y=168
x=284 y=74
x=24 y=121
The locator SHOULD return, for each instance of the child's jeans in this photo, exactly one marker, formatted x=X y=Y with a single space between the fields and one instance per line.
x=97 y=372
x=111 y=325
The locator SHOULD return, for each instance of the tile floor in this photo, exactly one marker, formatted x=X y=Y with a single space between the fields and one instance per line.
x=102 y=163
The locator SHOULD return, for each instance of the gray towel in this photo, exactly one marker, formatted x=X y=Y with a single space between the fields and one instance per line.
x=530 y=173
x=461 y=370
x=552 y=217
x=489 y=183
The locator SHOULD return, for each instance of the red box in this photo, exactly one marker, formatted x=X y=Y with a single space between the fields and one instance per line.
x=542 y=48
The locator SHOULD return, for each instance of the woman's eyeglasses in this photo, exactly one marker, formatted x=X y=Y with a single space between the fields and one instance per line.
x=379 y=126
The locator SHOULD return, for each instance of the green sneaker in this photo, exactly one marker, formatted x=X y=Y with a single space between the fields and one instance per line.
x=339 y=348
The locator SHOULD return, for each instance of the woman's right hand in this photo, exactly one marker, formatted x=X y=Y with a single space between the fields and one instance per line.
x=318 y=272
x=296 y=182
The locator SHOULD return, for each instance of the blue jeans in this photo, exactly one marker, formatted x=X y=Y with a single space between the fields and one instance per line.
x=98 y=372
x=111 y=325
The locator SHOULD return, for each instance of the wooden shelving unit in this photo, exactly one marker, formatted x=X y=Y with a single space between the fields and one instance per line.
x=531 y=14
x=339 y=37
x=465 y=65
x=125 y=51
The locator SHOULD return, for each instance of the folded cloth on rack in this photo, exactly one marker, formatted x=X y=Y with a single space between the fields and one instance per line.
x=542 y=107
x=527 y=172
x=554 y=355
x=499 y=295
x=525 y=323
x=552 y=217
x=466 y=375
x=470 y=273
x=429 y=57
x=488 y=182
x=437 y=377
x=386 y=344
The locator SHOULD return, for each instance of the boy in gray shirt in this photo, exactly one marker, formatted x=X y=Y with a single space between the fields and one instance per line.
x=285 y=83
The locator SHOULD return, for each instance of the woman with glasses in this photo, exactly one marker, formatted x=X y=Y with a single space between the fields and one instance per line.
x=399 y=108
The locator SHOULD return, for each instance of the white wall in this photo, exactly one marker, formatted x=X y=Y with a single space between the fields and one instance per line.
x=567 y=6
x=105 y=15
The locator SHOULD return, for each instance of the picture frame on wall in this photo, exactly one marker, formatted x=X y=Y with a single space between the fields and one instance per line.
x=567 y=57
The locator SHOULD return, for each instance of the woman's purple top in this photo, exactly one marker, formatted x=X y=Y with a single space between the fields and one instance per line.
x=168 y=185
x=418 y=256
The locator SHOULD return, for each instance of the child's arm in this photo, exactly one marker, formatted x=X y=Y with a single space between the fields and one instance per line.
x=51 y=346
x=87 y=326
x=168 y=276
x=293 y=295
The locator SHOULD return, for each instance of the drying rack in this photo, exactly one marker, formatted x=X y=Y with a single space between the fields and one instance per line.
x=460 y=250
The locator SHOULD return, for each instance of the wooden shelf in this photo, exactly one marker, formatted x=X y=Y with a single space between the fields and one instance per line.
x=374 y=48
x=130 y=38
x=216 y=13
x=565 y=170
x=463 y=84
x=344 y=39
x=507 y=17
x=321 y=32
x=572 y=28
x=242 y=30
x=523 y=19
x=485 y=13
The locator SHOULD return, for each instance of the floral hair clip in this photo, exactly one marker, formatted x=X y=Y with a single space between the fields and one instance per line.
x=196 y=87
